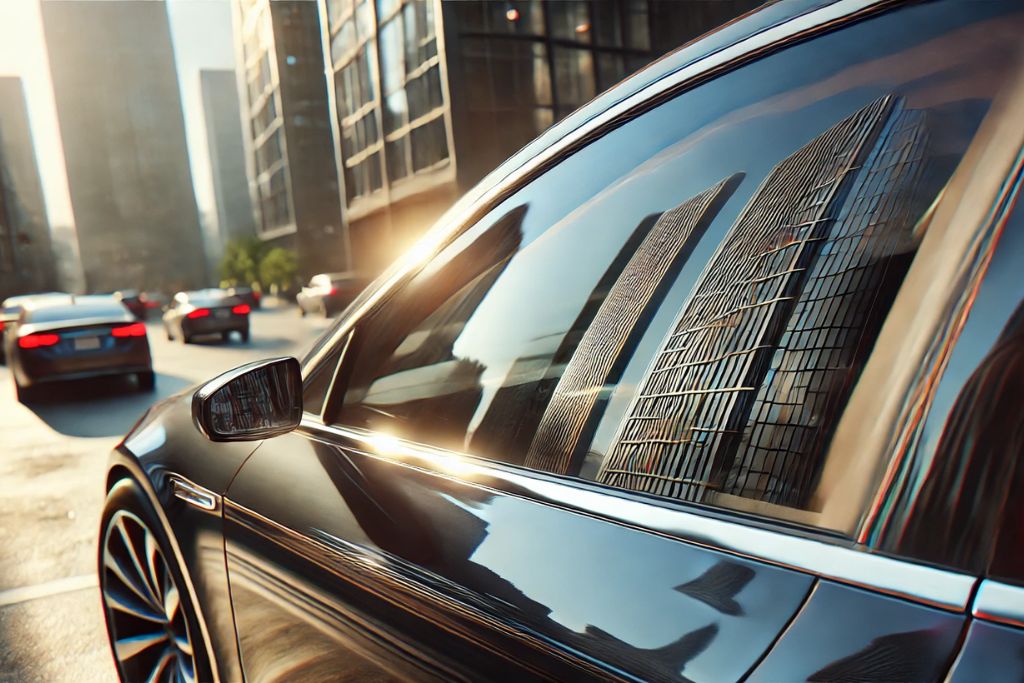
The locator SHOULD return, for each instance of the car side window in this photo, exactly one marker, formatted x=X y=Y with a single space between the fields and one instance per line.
x=682 y=307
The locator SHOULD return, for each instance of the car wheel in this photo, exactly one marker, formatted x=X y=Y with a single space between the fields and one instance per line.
x=153 y=630
x=147 y=380
x=225 y=336
x=185 y=339
x=245 y=336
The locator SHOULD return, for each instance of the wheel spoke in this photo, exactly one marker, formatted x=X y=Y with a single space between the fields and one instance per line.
x=153 y=559
x=171 y=599
x=133 y=555
x=186 y=669
x=129 y=605
x=184 y=644
x=126 y=577
x=163 y=666
x=127 y=648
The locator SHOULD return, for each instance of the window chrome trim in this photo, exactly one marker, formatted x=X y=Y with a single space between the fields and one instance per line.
x=931 y=586
x=999 y=602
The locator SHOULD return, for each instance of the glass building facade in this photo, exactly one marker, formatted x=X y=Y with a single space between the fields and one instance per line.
x=291 y=161
x=429 y=96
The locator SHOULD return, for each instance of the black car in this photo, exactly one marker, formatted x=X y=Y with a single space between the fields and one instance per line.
x=206 y=312
x=327 y=294
x=720 y=378
x=85 y=337
x=248 y=295
x=134 y=301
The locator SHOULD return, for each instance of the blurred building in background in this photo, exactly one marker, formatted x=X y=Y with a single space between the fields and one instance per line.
x=119 y=108
x=429 y=96
x=235 y=217
x=26 y=259
x=290 y=159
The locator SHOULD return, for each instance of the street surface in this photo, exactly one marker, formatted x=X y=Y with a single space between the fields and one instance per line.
x=52 y=464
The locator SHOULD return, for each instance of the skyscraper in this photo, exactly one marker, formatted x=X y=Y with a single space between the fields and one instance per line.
x=235 y=217
x=26 y=259
x=429 y=96
x=291 y=155
x=121 y=121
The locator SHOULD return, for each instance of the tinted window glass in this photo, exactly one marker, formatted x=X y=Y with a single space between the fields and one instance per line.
x=774 y=211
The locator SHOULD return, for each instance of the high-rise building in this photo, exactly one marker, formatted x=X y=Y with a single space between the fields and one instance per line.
x=429 y=96
x=121 y=121
x=291 y=165
x=26 y=259
x=235 y=218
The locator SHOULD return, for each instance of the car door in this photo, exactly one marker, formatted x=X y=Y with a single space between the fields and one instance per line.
x=599 y=433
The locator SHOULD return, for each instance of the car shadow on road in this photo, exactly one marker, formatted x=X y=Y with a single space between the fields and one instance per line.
x=106 y=406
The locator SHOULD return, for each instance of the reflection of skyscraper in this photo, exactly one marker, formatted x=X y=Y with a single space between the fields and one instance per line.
x=121 y=122
x=745 y=392
x=227 y=155
x=288 y=133
x=26 y=260
x=430 y=96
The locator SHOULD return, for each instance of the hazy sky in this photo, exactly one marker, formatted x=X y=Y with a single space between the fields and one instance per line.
x=201 y=33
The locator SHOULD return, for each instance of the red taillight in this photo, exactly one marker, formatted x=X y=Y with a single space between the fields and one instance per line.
x=133 y=330
x=199 y=313
x=2 y=323
x=334 y=290
x=240 y=309
x=34 y=341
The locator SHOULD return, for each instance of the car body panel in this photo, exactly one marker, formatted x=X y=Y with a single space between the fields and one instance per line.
x=993 y=653
x=849 y=634
x=220 y=318
x=637 y=603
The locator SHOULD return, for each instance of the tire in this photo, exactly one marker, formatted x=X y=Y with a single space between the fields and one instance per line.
x=147 y=380
x=225 y=337
x=146 y=601
x=185 y=339
x=245 y=336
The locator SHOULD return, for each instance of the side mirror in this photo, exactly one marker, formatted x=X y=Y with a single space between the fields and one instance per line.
x=255 y=401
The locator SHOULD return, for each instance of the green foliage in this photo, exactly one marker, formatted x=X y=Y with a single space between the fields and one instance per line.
x=240 y=264
x=278 y=269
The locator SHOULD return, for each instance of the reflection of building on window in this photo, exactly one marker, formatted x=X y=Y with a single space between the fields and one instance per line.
x=612 y=322
x=745 y=393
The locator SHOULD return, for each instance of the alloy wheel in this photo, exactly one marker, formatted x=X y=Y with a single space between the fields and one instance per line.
x=148 y=626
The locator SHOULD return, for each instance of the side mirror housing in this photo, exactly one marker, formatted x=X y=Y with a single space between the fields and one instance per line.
x=255 y=401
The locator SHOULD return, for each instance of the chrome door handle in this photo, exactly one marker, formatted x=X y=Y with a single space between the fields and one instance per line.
x=193 y=494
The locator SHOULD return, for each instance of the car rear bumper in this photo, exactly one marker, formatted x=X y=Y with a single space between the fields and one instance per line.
x=83 y=374
x=211 y=325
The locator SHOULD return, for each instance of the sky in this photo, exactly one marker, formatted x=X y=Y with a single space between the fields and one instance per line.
x=201 y=34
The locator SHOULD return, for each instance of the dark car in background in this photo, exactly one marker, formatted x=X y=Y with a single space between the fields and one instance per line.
x=206 y=312
x=12 y=307
x=719 y=379
x=134 y=301
x=54 y=341
x=328 y=294
x=248 y=295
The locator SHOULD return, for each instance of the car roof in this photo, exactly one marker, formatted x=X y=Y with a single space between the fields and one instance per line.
x=23 y=299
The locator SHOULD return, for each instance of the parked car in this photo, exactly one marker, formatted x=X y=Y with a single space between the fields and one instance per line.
x=327 y=294
x=12 y=307
x=206 y=312
x=55 y=341
x=134 y=301
x=720 y=378
x=248 y=295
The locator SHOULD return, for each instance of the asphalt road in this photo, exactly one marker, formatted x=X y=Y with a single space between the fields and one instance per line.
x=52 y=460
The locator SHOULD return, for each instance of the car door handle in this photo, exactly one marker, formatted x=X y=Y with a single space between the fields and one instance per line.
x=193 y=494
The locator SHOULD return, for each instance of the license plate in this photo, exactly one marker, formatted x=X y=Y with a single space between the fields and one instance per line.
x=87 y=343
x=222 y=313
